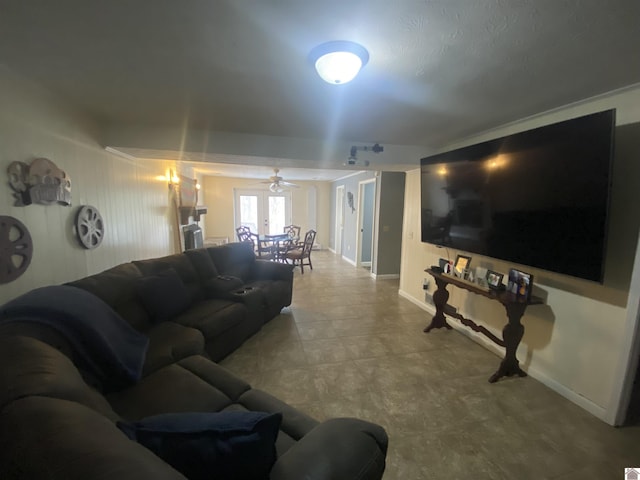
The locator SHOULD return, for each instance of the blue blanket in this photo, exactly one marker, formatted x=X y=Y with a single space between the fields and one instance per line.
x=104 y=342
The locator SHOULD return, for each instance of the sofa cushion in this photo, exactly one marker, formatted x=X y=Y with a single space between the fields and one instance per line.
x=105 y=345
x=117 y=288
x=170 y=342
x=183 y=267
x=195 y=384
x=236 y=259
x=163 y=295
x=34 y=368
x=201 y=261
x=51 y=438
x=239 y=445
x=212 y=317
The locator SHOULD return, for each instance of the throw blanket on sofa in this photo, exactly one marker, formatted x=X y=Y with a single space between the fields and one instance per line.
x=105 y=343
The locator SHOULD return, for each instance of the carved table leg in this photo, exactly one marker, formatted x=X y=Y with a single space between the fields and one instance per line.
x=511 y=334
x=440 y=297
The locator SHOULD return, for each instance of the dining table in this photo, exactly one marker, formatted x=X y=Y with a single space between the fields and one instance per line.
x=274 y=242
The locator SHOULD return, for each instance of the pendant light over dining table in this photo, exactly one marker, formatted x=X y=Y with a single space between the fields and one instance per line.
x=338 y=62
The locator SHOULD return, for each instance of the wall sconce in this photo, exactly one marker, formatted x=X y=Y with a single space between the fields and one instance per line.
x=174 y=179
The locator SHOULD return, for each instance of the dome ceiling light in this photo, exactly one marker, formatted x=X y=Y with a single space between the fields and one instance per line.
x=339 y=61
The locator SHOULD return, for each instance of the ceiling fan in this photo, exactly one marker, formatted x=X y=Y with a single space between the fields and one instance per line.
x=276 y=183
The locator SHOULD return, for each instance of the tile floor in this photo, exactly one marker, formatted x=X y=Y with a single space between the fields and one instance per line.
x=351 y=346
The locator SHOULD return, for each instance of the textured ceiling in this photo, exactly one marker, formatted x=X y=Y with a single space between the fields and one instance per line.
x=438 y=70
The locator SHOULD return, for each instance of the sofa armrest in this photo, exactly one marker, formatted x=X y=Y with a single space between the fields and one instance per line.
x=338 y=448
x=267 y=270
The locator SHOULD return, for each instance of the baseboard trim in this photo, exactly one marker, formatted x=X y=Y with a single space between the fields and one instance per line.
x=539 y=375
x=331 y=250
x=385 y=276
x=348 y=260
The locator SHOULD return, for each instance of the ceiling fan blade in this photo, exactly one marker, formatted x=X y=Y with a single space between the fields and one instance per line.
x=288 y=184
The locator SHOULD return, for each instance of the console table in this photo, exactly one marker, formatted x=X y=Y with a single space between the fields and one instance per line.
x=511 y=333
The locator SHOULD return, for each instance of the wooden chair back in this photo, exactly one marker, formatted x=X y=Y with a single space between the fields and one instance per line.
x=307 y=245
x=293 y=231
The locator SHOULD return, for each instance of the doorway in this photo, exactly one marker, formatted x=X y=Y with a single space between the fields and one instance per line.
x=339 y=219
x=366 y=216
x=264 y=212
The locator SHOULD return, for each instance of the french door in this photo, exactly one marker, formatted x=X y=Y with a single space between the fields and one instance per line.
x=264 y=212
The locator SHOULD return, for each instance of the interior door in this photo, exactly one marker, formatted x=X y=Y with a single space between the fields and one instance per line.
x=339 y=219
x=264 y=212
x=367 y=192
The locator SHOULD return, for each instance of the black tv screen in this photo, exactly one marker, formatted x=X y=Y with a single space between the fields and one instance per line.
x=539 y=198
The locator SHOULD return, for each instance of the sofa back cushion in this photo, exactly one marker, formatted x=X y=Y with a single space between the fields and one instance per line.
x=183 y=267
x=163 y=295
x=201 y=261
x=234 y=259
x=34 y=368
x=117 y=287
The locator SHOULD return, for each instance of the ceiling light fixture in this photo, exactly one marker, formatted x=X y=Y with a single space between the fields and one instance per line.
x=339 y=61
x=276 y=188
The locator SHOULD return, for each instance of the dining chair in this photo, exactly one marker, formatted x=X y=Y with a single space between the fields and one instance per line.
x=244 y=234
x=293 y=231
x=299 y=253
x=263 y=251
x=292 y=241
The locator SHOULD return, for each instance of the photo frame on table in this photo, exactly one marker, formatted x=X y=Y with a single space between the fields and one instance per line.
x=494 y=280
x=481 y=277
x=520 y=283
x=461 y=266
x=443 y=263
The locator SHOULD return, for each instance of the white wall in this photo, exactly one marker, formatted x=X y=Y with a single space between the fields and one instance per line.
x=572 y=343
x=218 y=196
x=133 y=202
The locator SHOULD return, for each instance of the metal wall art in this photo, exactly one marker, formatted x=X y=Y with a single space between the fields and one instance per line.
x=350 y=202
x=89 y=227
x=41 y=182
x=16 y=249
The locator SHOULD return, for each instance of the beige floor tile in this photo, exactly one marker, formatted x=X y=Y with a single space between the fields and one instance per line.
x=351 y=346
x=330 y=350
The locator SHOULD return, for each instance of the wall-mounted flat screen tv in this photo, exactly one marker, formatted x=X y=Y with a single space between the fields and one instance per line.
x=538 y=198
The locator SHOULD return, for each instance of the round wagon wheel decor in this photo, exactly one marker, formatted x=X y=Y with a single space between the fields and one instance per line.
x=89 y=227
x=16 y=249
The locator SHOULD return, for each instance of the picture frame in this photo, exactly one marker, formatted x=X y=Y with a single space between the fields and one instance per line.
x=443 y=263
x=461 y=267
x=520 y=283
x=494 y=280
x=481 y=277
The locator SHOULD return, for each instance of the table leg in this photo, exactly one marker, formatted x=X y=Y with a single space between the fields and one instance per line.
x=440 y=297
x=511 y=334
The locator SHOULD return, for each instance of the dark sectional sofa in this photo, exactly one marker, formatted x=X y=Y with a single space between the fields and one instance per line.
x=59 y=419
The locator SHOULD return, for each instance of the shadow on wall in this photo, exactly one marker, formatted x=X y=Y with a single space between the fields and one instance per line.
x=623 y=227
x=494 y=317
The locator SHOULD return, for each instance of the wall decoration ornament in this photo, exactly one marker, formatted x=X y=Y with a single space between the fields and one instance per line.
x=350 y=202
x=89 y=227
x=41 y=182
x=16 y=249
